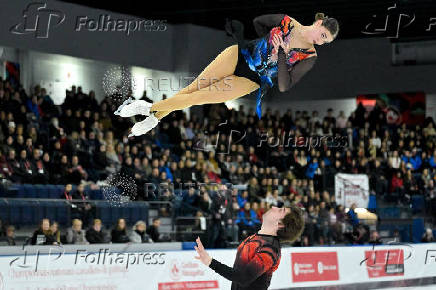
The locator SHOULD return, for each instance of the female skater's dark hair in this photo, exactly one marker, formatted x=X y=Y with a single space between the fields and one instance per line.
x=293 y=225
x=331 y=24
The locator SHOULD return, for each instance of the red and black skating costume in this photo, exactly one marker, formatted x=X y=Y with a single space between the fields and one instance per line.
x=258 y=256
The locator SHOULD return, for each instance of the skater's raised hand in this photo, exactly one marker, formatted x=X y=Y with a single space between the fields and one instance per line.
x=276 y=43
x=203 y=256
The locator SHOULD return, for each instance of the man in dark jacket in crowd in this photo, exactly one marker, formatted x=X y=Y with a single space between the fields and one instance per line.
x=153 y=230
x=95 y=235
x=216 y=229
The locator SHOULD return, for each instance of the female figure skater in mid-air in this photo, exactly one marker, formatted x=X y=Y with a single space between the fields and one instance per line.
x=282 y=54
x=258 y=256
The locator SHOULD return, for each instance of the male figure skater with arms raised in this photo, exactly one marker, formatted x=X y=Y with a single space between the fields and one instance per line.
x=258 y=256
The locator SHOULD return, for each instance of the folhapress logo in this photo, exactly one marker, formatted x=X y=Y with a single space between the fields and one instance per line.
x=430 y=257
x=38 y=19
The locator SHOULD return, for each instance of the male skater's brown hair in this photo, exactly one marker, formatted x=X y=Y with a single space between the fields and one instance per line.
x=293 y=225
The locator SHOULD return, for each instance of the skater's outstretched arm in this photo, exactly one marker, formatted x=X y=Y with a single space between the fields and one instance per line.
x=244 y=275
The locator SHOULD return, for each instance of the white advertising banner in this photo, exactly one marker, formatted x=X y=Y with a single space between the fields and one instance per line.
x=299 y=267
x=352 y=188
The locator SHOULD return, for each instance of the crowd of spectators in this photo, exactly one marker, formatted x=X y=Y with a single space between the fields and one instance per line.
x=82 y=142
x=49 y=233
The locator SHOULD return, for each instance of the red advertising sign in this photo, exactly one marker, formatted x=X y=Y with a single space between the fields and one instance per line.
x=381 y=263
x=319 y=266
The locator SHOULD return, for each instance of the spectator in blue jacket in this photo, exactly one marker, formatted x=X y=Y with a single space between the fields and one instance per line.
x=242 y=199
x=311 y=168
x=163 y=167
x=328 y=158
x=414 y=159
x=247 y=221
x=417 y=161
x=32 y=105
x=406 y=157
x=432 y=160
x=190 y=201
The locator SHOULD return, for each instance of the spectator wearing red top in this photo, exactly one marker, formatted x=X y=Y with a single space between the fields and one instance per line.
x=293 y=187
x=261 y=209
x=252 y=157
x=397 y=187
x=212 y=175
